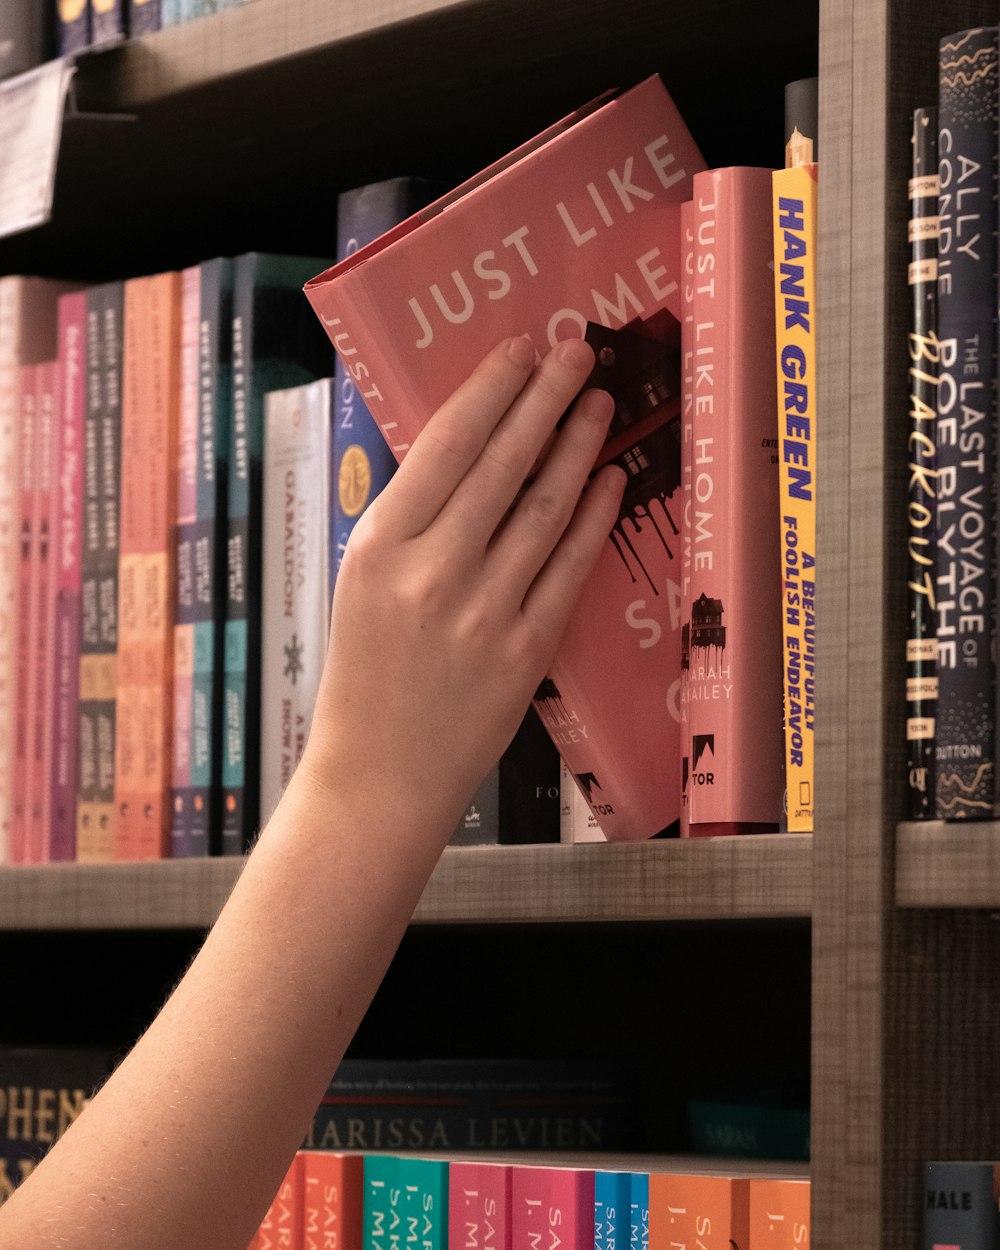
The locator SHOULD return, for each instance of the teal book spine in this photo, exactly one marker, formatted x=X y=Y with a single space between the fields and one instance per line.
x=381 y=1218
x=612 y=1206
x=423 y=1185
x=638 y=1211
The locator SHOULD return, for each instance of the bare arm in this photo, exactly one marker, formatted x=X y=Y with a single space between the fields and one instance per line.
x=448 y=610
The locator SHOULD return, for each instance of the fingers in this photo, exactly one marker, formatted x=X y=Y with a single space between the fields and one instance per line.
x=451 y=442
x=536 y=525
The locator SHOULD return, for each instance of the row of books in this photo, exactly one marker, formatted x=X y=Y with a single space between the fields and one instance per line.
x=952 y=685
x=380 y=1202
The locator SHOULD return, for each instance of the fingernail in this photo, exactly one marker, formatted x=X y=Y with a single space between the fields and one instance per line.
x=576 y=353
x=614 y=477
x=522 y=351
x=600 y=404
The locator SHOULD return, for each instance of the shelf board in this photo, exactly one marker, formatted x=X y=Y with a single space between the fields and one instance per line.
x=761 y=877
x=940 y=864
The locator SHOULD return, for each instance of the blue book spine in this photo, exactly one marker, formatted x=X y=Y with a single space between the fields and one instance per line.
x=362 y=463
x=143 y=17
x=612 y=1195
x=74 y=26
x=638 y=1211
x=108 y=21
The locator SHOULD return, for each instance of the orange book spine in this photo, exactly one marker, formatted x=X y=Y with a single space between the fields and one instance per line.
x=332 y=1200
x=779 y=1214
x=150 y=401
x=711 y=1212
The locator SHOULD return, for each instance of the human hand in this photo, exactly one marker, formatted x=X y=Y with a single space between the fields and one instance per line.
x=458 y=583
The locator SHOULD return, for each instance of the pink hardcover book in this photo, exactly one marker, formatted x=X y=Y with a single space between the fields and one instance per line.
x=687 y=429
x=576 y=234
x=479 y=1206
x=732 y=753
x=552 y=1206
x=66 y=561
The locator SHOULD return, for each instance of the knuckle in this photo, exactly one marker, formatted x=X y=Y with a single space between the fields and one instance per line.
x=545 y=510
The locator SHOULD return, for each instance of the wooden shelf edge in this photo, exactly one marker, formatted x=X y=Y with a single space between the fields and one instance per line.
x=719 y=879
x=948 y=865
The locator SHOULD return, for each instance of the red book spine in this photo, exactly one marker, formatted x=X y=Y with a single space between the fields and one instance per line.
x=27 y=601
x=732 y=755
x=479 y=1206
x=552 y=1206
x=67 y=563
x=332 y=1200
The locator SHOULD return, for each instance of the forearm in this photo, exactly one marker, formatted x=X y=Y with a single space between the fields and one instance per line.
x=229 y=1074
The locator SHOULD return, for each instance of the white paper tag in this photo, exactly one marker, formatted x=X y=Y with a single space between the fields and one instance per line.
x=31 y=115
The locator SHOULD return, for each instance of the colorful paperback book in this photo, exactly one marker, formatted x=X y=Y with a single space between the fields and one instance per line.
x=206 y=390
x=639 y=1211
x=423 y=1207
x=332 y=1200
x=711 y=1212
x=921 y=452
x=573 y=235
x=795 y=238
x=612 y=1210
x=67 y=565
x=295 y=619
x=552 y=1206
x=779 y=1213
x=732 y=765
x=381 y=1218
x=961 y=1205
x=966 y=727
x=479 y=1205
x=276 y=345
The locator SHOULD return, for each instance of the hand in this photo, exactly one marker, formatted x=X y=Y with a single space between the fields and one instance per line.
x=458 y=582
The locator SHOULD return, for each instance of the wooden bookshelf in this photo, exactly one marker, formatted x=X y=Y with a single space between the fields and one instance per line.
x=722 y=879
x=948 y=865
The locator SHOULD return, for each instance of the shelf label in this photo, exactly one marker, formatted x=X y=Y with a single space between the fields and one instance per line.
x=31 y=114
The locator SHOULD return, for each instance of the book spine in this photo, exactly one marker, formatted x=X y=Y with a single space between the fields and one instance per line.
x=924 y=360
x=552 y=1203
x=480 y=823
x=67 y=542
x=108 y=21
x=146 y=566
x=9 y=556
x=381 y=1203
x=794 y=192
x=46 y=521
x=423 y=1185
x=612 y=1205
x=143 y=17
x=966 y=719
x=779 y=1214
x=479 y=1206
x=74 y=26
x=27 y=599
x=960 y=1205
x=294 y=616
x=577 y=822
x=182 y=842
x=332 y=1200
x=639 y=1211
x=698 y=1210
x=528 y=783
x=735 y=772
x=688 y=276
x=801 y=122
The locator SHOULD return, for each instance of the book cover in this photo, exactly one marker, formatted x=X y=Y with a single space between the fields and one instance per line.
x=612 y=1210
x=108 y=21
x=67 y=564
x=479 y=1205
x=276 y=345
x=528 y=785
x=362 y=462
x=574 y=234
x=206 y=397
x=795 y=236
x=687 y=460
x=779 y=1213
x=332 y=1200
x=476 y=1105
x=965 y=529
x=921 y=453
x=732 y=765
x=639 y=1211
x=282 y=1224
x=144 y=707
x=423 y=1207
x=74 y=25
x=95 y=833
x=295 y=617
x=712 y=1212
x=960 y=1207
x=46 y=515
x=42 y=1092
x=143 y=17
x=552 y=1206
x=381 y=1221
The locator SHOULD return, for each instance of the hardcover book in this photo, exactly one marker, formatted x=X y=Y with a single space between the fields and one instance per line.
x=960 y=1208
x=965 y=618
x=206 y=398
x=795 y=239
x=577 y=822
x=921 y=451
x=67 y=563
x=276 y=345
x=574 y=234
x=332 y=1200
x=480 y=823
x=550 y=1206
x=779 y=1213
x=144 y=727
x=295 y=617
x=712 y=1212
x=479 y=1205
x=732 y=766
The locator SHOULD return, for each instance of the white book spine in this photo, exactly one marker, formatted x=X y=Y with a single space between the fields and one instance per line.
x=577 y=823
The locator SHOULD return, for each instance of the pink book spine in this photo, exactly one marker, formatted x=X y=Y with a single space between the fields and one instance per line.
x=687 y=430
x=67 y=558
x=479 y=1206
x=733 y=747
x=27 y=603
x=39 y=798
x=579 y=239
x=552 y=1206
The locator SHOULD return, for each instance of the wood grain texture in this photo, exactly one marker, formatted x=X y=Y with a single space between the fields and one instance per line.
x=718 y=879
x=948 y=865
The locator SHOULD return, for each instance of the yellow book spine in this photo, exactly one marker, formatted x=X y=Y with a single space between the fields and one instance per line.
x=795 y=313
